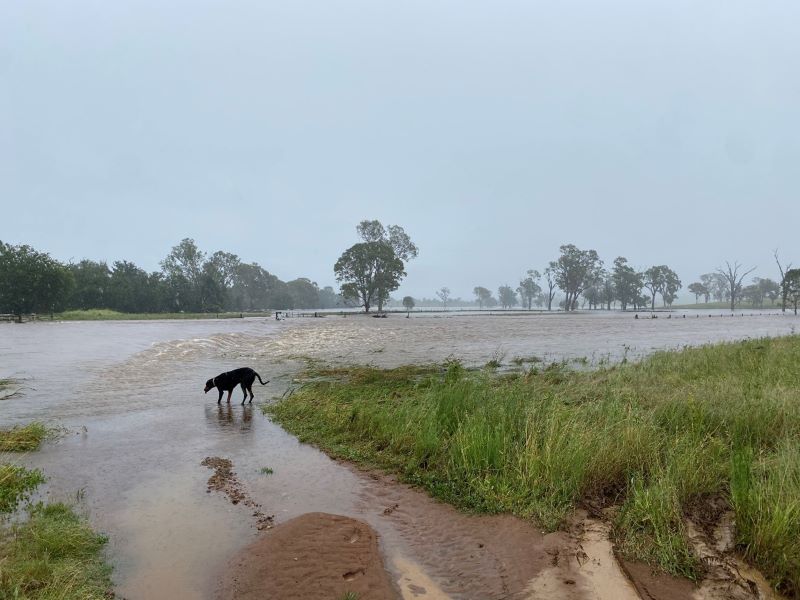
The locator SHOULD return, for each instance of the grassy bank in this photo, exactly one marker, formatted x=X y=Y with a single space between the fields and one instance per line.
x=112 y=315
x=53 y=553
x=656 y=439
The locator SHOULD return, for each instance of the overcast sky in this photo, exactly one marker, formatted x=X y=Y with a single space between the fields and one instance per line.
x=493 y=132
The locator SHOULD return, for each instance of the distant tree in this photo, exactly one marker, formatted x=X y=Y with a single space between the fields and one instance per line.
x=444 y=295
x=550 y=277
x=304 y=292
x=183 y=269
x=132 y=290
x=368 y=271
x=768 y=288
x=400 y=243
x=408 y=304
x=574 y=271
x=32 y=281
x=733 y=276
x=661 y=280
x=608 y=292
x=482 y=295
x=672 y=285
x=91 y=285
x=507 y=296
x=783 y=270
x=791 y=287
x=698 y=289
x=328 y=298
x=528 y=288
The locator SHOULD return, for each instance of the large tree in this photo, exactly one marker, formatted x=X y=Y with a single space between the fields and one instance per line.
x=397 y=239
x=574 y=271
x=368 y=272
x=31 y=281
x=733 y=276
x=783 y=271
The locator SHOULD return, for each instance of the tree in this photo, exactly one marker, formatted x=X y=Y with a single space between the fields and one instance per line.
x=628 y=282
x=408 y=303
x=783 y=271
x=791 y=287
x=304 y=292
x=529 y=288
x=183 y=269
x=575 y=270
x=768 y=288
x=91 y=285
x=397 y=239
x=672 y=285
x=482 y=295
x=507 y=296
x=698 y=289
x=732 y=275
x=550 y=277
x=654 y=281
x=444 y=295
x=31 y=281
x=368 y=272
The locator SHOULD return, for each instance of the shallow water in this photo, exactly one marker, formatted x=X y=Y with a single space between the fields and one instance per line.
x=138 y=425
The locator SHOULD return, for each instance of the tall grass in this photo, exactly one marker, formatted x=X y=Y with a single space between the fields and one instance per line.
x=53 y=555
x=23 y=439
x=653 y=438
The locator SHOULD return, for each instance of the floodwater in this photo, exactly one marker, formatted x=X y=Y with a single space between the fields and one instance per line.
x=137 y=425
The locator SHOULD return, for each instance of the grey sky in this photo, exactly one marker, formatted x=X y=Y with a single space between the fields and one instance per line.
x=668 y=132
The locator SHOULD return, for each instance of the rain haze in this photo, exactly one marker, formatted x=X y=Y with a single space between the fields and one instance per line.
x=666 y=132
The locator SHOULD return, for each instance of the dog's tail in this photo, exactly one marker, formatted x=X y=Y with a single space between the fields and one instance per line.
x=262 y=382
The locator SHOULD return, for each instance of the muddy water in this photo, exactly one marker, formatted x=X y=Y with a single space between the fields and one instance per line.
x=138 y=425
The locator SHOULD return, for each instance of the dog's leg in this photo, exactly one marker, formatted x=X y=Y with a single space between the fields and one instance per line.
x=244 y=389
x=220 y=397
x=230 y=393
x=250 y=389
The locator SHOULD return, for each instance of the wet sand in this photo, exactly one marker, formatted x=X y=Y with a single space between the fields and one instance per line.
x=130 y=395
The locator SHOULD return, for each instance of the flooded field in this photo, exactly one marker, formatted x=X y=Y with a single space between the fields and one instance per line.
x=138 y=426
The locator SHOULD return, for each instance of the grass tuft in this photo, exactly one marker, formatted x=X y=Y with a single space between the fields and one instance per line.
x=23 y=439
x=54 y=554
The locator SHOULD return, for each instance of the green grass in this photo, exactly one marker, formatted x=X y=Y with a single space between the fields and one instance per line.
x=724 y=305
x=16 y=485
x=266 y=471
x=653 y=438
x=23 y=439
x=103 y=314
x=54 y=554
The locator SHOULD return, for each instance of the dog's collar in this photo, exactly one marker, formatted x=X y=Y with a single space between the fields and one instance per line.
x=213 y=382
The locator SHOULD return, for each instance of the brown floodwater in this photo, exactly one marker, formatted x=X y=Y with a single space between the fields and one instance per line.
x=137 y=425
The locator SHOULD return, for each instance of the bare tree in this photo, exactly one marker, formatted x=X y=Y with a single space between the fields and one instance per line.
x=733 y=277
x=444 y=296
x=783 y=279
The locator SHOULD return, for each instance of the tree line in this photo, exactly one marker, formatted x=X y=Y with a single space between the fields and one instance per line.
x=190 y=280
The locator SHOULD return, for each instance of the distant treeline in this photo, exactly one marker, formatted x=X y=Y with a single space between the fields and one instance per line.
x=585 y=282
x=189 y=281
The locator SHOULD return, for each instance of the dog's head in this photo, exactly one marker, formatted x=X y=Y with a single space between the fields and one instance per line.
x=209 y=385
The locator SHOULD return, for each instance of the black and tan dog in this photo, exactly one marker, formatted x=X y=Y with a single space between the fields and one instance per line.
x=226 y=382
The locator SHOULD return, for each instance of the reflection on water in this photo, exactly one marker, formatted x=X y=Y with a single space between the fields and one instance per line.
x=228 y=417
x=131 y=394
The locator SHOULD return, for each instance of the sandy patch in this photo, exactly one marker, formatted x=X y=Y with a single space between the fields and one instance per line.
x=316 y=556
x=224 y=480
